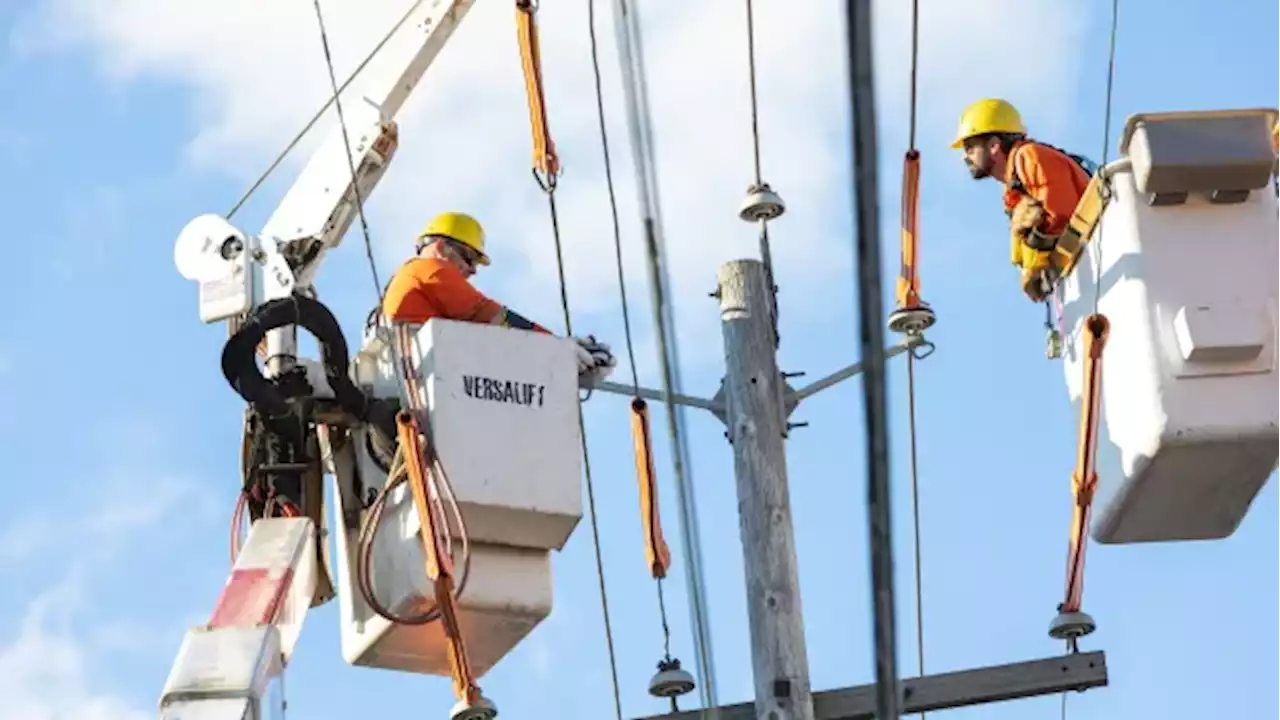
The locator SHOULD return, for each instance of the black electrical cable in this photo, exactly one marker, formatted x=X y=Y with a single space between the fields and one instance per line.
x=871 y=335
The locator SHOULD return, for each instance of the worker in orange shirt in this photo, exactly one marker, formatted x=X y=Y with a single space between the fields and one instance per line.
x=435 y=284
x=1043 y=184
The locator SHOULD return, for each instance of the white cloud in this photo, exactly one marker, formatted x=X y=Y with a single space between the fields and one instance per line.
x=47 y=672
x=107 y=523
x=255 y=73
x=54 y=653
x=53 y=659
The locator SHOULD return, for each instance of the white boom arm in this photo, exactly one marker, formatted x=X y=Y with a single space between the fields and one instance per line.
x=237 y=272
x=224 y=668
x=322 y=202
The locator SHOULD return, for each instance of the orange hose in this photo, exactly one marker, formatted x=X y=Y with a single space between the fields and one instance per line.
x=656 y=552
x=544 y=150
x=1084 y=479
x=908 y=288
x=439 y=564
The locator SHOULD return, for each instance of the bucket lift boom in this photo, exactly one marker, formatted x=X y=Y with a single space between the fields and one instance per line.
x=225 y=666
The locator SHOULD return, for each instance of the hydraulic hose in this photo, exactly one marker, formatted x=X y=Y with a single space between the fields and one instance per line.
x=240 y=367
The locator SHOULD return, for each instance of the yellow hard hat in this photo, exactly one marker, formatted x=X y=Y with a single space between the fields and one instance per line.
x=459 y=227
x=989 y=115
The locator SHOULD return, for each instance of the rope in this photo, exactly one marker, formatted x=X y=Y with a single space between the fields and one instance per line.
x=911 y=362
x=915 y=56
x=346 y=141
x=751 y=68
x=545 y=170
x=915 y=513
x=635 y=93
x=766 y=255
x=613 y=196
x=397 y=357
x=1078 y=554
x=319 y=113
x=622 y=283
x=336 y=101
x=910 y=368
x=464 y=682
x=858 y=44
x=586 y=466
x=1106 y=143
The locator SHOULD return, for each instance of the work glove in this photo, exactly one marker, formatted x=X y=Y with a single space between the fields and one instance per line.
x=1027 y=215
x=594 y=358
x=1039 y=278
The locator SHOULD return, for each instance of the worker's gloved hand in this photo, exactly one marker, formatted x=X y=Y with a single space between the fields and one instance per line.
x=1027 y=215
x=1038 y=281
x=586 y=362
x=594 y=358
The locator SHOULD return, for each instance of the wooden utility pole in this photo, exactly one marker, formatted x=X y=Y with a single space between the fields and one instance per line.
x=754 y=404
x=756 y=419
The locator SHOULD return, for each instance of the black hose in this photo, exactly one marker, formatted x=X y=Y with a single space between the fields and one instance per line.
x=240 y=367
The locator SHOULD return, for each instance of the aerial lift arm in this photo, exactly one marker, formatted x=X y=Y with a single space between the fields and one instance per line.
x=319 y=208
x=239 y=275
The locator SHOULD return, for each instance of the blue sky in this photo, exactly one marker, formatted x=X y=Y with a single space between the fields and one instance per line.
x=125 y=121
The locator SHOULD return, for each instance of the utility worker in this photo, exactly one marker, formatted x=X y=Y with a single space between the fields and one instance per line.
x=1042 y=187
x=435 y=284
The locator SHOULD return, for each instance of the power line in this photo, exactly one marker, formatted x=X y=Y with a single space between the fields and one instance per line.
x=586 y=463
x=617 y=248
x=320 y=113
x=871 y=335
x=635 y=93
x=613 y=196
x=911 y=365
x=766 y=254
x=1106 y=141
x=545 y=172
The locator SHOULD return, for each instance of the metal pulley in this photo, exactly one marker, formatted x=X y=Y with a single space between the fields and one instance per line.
x=481 y=709
x=761 y=203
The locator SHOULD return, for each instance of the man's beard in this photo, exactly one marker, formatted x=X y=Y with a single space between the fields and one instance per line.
x=978 y=172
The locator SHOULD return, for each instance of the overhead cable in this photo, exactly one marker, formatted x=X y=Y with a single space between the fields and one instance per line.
x=627 y=29
x=871 y=336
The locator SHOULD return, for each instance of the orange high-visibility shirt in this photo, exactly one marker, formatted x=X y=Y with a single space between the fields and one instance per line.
x=1050 y=177
x=424 y=288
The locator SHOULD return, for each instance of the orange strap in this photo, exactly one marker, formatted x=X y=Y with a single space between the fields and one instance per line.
x=426 y=499
x=908 y=290
x=544 y=150
x=656 y=552
x=1085 y=477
